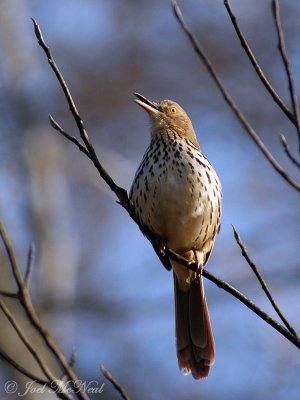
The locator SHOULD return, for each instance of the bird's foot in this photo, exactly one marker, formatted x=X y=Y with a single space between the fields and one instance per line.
x=162 y=247
x=199 y=266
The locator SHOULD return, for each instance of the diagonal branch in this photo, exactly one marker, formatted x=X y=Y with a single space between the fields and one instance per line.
x=12 y=257
x=287 y=151
x=262 y=282
x=72 y=139
x=120 y=192
x=256 y=66
x=26 y=302
x=114 y=382
x=30 y=260
x=252 y=306
x=21 y=369
x=26 y=342
x=287 y=65
x=230 y=101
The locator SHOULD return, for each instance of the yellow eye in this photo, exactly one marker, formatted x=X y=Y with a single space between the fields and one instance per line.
x=172 y=110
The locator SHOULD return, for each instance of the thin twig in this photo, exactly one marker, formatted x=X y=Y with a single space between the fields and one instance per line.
x=120 y=192
x=21 y=369
x=51 y=344
x=73 y=358
x=262 y=282
x=230 y=101
x=9 y=294
x=287 y=151
x=52 y=382
x=26 y=342
x=12 y=257
x=248 y=303
x=72 y=362
x=30 y=261
x=113 y=381
x=287 y=65
x=256 y=66
x=73 y=139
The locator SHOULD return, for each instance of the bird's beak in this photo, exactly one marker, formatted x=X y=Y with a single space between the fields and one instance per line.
x=147 y=105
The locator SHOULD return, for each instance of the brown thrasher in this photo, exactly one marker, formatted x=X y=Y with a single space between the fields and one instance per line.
x=176 y=194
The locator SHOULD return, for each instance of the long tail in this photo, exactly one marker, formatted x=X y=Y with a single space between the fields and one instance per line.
x=194 y=337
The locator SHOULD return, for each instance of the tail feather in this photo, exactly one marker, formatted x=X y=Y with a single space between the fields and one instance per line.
x=194 y=337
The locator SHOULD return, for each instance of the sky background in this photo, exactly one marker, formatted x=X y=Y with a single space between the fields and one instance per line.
x=97 y=282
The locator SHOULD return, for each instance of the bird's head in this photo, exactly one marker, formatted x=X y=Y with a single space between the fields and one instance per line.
x=167 y=115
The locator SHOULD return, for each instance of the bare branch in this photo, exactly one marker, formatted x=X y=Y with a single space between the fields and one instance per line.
x=73 y=358
x=230 y=101
x=262 y=282
x=287 y=65
x=12 y=257
x=9 y=294
x=120 y=192
x=72 y=139
x=52 y=382
x=22 y=370
x=287 y=151
x=26 y=302
x=114 y=382
x=61 y=80
x=30 y=261
x=50 y=343
x=256 y=66
x=26 y=342
x=248 y=303
x=240 y=296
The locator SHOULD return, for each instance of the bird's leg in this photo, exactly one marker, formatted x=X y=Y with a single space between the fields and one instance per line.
x=198 y=264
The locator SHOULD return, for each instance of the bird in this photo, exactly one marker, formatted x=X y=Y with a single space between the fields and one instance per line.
x=176 y=195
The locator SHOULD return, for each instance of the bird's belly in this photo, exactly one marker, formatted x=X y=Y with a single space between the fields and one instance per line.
x=179 y=200
x=180 y=210
x=180 y=213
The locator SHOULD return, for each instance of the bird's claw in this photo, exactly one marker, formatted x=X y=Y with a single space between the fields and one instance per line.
x=162 y=247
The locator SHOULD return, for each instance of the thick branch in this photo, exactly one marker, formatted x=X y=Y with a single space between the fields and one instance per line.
x=230 y=101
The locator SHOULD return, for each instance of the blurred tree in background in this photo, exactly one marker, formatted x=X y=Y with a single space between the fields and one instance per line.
x=97 y=282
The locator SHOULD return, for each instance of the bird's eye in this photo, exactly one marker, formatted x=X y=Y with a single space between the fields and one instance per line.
x=173 y=110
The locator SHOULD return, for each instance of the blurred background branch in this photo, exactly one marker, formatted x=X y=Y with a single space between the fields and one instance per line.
x=23 y=296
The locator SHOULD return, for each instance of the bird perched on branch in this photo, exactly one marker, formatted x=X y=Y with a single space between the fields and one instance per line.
x=177 y=195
